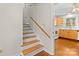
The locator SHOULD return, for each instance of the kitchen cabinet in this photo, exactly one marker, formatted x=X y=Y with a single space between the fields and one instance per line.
x=72 y=34
x=70 y=21
x=58 y=21
x=69 y=34
x=62 y=33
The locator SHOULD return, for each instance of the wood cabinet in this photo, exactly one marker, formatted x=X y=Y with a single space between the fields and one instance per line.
x=62 y=33
x=70 y=34
x=58 y=21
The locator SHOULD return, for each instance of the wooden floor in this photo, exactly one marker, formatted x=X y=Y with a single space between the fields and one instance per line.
x=43 y=53
x=63 y=47
x=66 y=47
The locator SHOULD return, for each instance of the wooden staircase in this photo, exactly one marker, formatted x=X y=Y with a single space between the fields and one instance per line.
x=31 y=45
x=30 y=42
x=29 y=50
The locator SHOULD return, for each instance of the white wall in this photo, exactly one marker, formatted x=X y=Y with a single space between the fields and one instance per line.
x=41 y=13
x=26 y=13
x=63 y=8
x=10 y=28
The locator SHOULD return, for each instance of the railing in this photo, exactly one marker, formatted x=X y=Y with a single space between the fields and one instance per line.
x=41 y=28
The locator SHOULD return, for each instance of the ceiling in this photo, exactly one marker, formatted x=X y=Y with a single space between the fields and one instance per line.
x=60 y=8
x=63 y=8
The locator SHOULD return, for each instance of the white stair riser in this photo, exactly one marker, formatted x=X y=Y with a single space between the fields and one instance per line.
x=27 y=25
x=30 y=45
x=26 y=35
x=28 y=31
x=30 y=39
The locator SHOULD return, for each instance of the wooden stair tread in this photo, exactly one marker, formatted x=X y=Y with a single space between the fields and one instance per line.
x=28 y=32
x=29 y=50
x=27 y=29
x=26 y=24
x=29 y=37
x=24 y=30
x=30 y=42
x=43 y=53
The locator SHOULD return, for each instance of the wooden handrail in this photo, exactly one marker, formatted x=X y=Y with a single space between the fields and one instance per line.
x=40 y=28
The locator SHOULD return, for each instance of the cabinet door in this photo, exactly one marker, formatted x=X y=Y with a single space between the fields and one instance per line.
x=59 y=21
x=62 y=33
x=72 y=34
